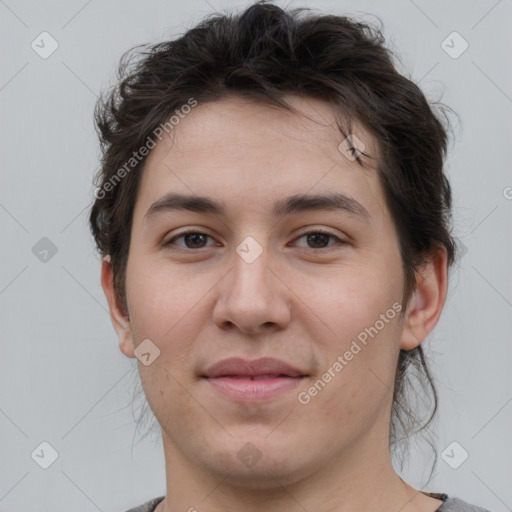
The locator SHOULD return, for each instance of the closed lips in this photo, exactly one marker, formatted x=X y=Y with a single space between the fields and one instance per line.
x=241 y=380
x=259 y=369
x=255 y=377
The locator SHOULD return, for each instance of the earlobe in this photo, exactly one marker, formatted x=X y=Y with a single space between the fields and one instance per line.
x=427 y=302
x=120 y=320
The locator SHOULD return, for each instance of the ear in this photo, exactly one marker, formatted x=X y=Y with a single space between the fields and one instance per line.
x=427 y=302
x=120 y=320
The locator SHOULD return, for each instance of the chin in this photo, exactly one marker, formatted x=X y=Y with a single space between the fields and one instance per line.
x=259 y=465
x=267 y=476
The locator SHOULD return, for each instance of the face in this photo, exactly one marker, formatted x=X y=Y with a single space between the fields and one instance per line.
x=277 y=320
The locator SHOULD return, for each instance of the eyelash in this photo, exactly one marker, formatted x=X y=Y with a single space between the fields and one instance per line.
x=170 y=242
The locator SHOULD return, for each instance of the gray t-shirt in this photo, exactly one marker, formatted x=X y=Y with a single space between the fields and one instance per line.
x=448 y=505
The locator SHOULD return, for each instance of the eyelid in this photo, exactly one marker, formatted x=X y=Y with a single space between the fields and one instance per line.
x=313 y=229
x=310 y=230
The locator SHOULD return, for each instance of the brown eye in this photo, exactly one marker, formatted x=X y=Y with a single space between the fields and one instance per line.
x=192 y=239
x=320 y=240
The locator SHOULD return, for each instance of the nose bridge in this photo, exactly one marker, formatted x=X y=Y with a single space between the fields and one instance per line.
x=249 y=282
x=251 y=296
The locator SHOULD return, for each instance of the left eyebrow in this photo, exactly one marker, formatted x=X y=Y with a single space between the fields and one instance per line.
x=293 y=204
x=313 y=202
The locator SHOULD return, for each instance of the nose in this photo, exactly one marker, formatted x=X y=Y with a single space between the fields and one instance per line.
x=253 y=297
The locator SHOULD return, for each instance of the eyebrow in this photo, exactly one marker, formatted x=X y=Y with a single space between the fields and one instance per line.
x=293 y=204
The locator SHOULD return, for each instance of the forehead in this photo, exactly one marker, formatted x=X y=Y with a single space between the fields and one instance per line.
x=235 y=121
x=235 y=145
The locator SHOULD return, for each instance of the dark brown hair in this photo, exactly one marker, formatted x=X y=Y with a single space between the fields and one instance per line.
x=262 y=54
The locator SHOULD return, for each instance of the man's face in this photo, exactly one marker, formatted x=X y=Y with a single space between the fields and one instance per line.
x=252 y=284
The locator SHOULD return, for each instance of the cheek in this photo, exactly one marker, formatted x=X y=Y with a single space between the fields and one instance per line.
x=363 y=389
x=164 y=391
x=161 y=299
x=362 y=307
x=354 y=298
x=161 y=303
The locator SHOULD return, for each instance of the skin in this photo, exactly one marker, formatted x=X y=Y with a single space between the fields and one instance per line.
x=298 y=302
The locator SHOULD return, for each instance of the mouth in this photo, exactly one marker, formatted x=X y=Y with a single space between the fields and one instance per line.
x=262 y=379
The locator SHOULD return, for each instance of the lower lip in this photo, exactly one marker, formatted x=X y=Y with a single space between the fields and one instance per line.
x=253 y=390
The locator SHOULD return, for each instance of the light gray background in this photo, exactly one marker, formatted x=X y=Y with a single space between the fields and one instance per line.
x=62 y=377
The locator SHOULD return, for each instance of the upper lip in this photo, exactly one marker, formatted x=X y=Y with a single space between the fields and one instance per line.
x=237 y=366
